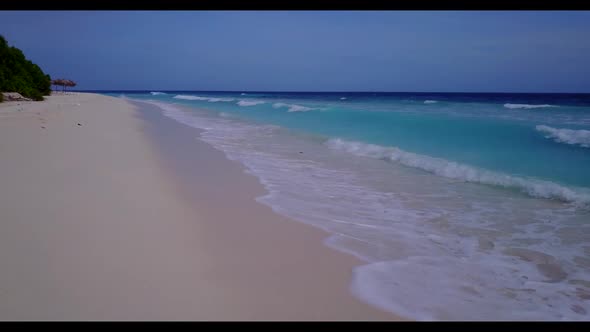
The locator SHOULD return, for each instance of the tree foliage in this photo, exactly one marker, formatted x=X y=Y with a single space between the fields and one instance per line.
x=18 y=74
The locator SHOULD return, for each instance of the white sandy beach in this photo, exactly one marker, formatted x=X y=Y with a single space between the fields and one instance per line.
x=96 y=225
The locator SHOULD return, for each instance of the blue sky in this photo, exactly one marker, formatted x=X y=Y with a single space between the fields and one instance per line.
x=309 y=51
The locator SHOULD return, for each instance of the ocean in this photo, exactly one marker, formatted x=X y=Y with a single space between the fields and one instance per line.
x=462 y=206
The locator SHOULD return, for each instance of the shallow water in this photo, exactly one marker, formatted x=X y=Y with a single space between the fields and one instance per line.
x=464 y=207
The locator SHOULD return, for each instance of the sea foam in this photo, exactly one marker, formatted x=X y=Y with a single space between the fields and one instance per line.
x=187 y=97
x=568 y=136
x=215 y=100
x=462 y=172
x=155 y=93
x=249 y=102
x=293 y=107
x=526 y=106
x=412 y=267
x=209 y=99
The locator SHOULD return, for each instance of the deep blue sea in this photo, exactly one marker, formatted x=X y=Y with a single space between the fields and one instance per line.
x=463 y=206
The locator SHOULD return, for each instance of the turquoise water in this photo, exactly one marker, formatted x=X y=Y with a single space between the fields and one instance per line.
x=497 y=133
x=462 y=206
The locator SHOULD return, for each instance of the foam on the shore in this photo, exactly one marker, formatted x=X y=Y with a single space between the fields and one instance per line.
x=435 y=247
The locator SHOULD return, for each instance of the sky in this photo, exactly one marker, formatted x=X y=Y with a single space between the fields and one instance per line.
x=412 y=51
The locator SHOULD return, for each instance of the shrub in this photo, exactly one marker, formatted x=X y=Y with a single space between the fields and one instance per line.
x=18 y=74
x=36 y=96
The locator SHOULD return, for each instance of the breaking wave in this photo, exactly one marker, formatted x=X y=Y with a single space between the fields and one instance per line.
x=209 y=99
x=293 y=107
x=526 y=106
x=568 y=136
x=249 y=102
x=457 y=171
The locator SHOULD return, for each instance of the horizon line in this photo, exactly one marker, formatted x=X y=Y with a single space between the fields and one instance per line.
x=293 y=91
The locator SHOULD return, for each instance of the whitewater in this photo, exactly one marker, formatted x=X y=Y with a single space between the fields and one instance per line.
x=461 y=207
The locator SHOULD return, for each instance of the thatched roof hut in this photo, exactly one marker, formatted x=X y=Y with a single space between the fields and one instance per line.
x=63 y=83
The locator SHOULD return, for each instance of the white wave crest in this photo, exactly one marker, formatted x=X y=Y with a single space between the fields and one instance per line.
x=569 y=136
x=215 y=100
x=209 y=99
x=293 y=107
x=243 y=94
x=343 y=98
x=442 y=276
x=249 y=102
x=526 y=106
x=430 y=102
x=453 y=170
x=155 y=93
x=186 y=97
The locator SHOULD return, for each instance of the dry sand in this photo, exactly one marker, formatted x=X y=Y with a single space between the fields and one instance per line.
x=97 y=222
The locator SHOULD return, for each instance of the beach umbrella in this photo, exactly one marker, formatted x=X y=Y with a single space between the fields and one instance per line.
x=55 y=82
x=63 y=83
x=70 y=83
x=59 y=82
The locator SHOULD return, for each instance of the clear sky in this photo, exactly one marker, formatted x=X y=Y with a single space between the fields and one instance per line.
x=309 y=51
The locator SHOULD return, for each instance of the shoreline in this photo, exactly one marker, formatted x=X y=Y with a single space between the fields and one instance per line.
x=102 y=224
x=324 y=259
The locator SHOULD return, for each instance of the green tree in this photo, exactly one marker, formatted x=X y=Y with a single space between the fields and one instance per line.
x=18 y=74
